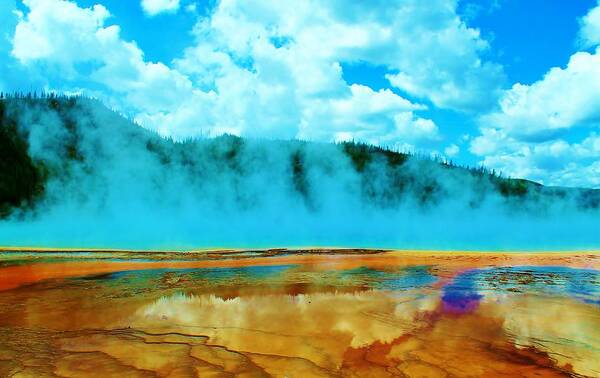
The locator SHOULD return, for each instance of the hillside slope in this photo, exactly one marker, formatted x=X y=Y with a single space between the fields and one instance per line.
x=71 y=122
x=74 y=158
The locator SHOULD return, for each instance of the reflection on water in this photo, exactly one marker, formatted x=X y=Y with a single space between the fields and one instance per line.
x=582 y=284
x=303 y=316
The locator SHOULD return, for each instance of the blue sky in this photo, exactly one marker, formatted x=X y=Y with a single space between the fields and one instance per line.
x=513 y=85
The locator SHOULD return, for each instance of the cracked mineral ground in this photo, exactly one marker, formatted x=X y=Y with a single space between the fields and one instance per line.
x=302 y=313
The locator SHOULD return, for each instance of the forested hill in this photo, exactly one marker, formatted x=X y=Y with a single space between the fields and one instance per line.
x=55 y=149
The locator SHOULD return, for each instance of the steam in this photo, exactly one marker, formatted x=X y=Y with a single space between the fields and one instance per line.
x=112 y=184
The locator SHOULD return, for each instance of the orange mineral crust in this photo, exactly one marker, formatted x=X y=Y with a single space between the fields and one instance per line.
x=14 y=276
x=300 y=314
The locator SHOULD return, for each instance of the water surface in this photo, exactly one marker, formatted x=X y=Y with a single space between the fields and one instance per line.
x=299 y=314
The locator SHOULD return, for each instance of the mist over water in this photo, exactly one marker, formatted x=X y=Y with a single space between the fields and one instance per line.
x=112 y=184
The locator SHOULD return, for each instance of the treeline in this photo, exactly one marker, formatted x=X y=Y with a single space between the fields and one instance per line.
x=34 y=95
x=387 y=176
x=21 y=179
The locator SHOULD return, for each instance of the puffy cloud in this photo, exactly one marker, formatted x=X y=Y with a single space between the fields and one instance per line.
x=428 y=51
x=451 y=150
x=378 y=117
x=555 y=162
x=564 y=98
x=41 y=35
x=155 y=7
x=527 y=136
x=589 y=33
x=246 y=50
x=117 y=64
x=270 y=68
x=402 y=131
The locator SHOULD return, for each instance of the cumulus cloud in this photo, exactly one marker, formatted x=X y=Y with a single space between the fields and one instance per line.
x=377 y=117
x=117 y=64
x=541 y=109
x=533 y=132
x=41 y=34
x=269 y=68
x=589 y=34
x=154 y=7
x=451 y=150
x=296 y=51
x=274 y=69
x=526 y=136
x=555 y=162
x=429 y=52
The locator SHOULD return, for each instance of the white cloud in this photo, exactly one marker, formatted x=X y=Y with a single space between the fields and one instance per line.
x=451 y=150
x=118 y=65
x=381 y=117
x=429 y=52
x=155 y=7
x=270 y=68
x=589 y=33
x=412 y=129
x=41 y=35
x=245 y=50
x=555 y=162
x=564 y=98
x=274 y=69
x=525 y=138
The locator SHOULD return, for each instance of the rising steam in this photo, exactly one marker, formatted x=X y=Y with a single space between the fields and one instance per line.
x=112 y=184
